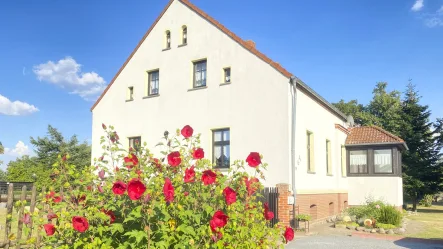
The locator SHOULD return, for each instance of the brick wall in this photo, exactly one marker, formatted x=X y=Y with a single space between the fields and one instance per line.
x=319 y=206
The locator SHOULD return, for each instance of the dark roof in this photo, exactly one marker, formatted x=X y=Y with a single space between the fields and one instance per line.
x=246 y=44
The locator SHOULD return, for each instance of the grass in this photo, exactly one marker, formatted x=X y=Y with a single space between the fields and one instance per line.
x=430 y=220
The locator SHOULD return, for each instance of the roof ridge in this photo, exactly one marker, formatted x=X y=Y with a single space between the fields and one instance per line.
x=387 y=132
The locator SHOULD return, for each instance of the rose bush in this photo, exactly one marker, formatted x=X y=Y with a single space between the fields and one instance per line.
x=131 y=199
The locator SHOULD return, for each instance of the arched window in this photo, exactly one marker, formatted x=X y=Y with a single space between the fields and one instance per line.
x=331 y=208
x=345 y=204
x=184 y=35
x=168 y=39
x=313 y=211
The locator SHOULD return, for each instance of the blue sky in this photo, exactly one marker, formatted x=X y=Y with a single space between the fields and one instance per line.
x=56 y=56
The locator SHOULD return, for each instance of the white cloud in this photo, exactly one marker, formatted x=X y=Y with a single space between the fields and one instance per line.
x=434 y=22
x=418 y=5
x=66 y=73
x=20 y=149
x=440 y=10
x=16 y=108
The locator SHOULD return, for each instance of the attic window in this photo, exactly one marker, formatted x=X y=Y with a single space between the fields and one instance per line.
x=168 y=39
x=184 y=35
x=227 y=75
x=130 y=95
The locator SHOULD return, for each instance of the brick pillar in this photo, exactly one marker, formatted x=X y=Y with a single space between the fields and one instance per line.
x=284 y=210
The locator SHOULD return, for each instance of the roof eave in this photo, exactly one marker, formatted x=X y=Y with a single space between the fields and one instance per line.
x=402 y=144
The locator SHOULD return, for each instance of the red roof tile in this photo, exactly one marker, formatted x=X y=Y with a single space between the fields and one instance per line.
x=371 y=135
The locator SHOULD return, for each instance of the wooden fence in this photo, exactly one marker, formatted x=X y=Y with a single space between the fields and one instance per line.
x=15 y=238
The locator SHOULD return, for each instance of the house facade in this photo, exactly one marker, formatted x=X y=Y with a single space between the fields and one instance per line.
x=190 y=69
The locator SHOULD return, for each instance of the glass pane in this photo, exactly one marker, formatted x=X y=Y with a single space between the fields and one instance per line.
x=383 y=161
x=226 y=135
x=226 y=155
x=358 y=161
x=203 y=78
x=217 y=136
x=203 y=65
x=217 y=156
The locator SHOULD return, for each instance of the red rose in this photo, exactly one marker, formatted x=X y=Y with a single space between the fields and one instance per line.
x=136 y=189
x=198 y=153
x=186 y=193
x=289 y=234
x=57 y=199
x=49 y=229
x=168 y=190
x=64 y=158
x=253 y=159
x=251 y=185
x=190 y=174
x=219 y=220
x=119 y=188
x=50 y=195
x=130 y=161
x=187 y=131
x=110 y=214
x=101 y=174
x=174 y=159
x=208 y=177
x=51 y=216
x=80 y=223
x=268 y=214
x=230 y=195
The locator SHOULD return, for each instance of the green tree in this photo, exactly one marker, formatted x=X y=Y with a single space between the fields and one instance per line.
x=2 y=176
x=358 y=111
x=25 y=168
x=54 y=144
x=421 y=167
x=2 y=150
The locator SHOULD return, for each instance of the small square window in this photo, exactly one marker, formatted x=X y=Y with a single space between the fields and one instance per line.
x=227 y=75
x=135 y=143
x=221 y=143
x=130 y=93
x=200 y=74
x=153 y=82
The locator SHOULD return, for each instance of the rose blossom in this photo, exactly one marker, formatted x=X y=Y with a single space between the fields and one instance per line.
x=130 y=161
x=253 y=159
x=119 y=188
x=219 y=220
x=174 y=159
x=230 y=195
x=187 y=131
x=80 y=223
x=168 y=190
x=49 y=229
x=208 y=177
x=110 y=214
x=136 y=189
x=289 y=234
x=189 y=175
x=198 y=153
x=268 y=214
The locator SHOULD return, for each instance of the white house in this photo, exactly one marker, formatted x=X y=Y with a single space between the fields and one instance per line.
x=189 y=69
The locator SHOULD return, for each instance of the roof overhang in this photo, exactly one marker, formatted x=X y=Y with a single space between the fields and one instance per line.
x=403 y=145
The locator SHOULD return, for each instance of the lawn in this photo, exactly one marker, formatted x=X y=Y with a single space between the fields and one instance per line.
x=428 y=222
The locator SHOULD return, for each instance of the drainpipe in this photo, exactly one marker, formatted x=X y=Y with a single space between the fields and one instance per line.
x=293 y=83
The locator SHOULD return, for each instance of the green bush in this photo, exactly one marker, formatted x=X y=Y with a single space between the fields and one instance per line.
x=385 y=226
x=371 y=209
x=303 y=217
x=426 y=201
x=389 y=215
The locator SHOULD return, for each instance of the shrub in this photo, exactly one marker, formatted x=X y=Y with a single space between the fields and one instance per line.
x=390 y=215
x=426 y=201
x=385 y=226
x=371 y=209
x=134 y=200
x=303 y=217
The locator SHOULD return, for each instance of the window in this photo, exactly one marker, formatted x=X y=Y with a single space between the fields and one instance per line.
x=221 y=148
x=343 y=161
x=331 y=209
x=168 y=39
x=135 y=143
x=200 y=74
x=153 y=82
x=358 y=161
x=383 y=161
x=328 y=158
x=227 y=75
x=184 y=35
x=130 y=93
x=310 y=151
x=313 y=211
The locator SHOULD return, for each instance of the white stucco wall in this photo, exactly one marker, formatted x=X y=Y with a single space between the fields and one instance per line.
x=313 y=117
x=254 y=107
x=388 y=189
